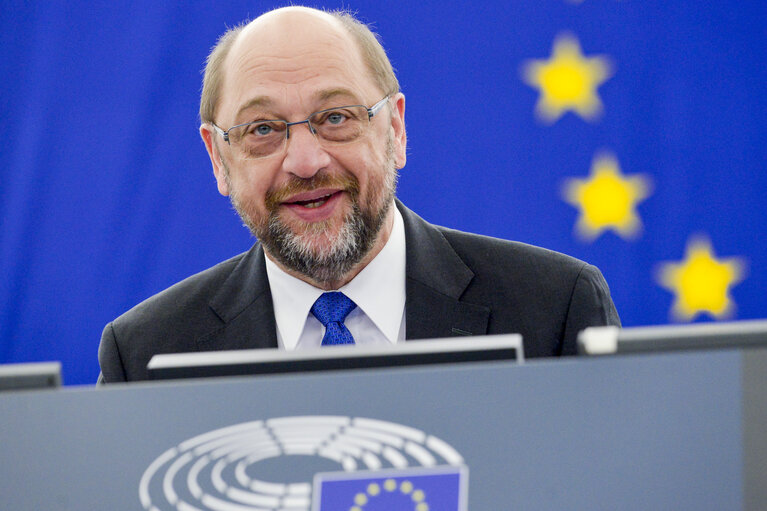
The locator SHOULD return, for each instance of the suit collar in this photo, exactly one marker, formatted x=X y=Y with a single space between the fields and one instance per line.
x=430 y=258
x=436 y=279
x=244 y=305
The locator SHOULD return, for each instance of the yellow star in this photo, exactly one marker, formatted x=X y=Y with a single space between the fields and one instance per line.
x=701 y=282
x=607 y=199
x=568 y=81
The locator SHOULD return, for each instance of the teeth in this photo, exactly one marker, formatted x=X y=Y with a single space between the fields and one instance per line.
x=316 y=202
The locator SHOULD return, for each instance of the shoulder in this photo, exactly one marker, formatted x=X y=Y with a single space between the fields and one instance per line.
x=500 y=265
x=504 y=257
x=546 y=296
x=540 y=293
x=171 y=321
x=538 y=274
x=168 y=322
x=484 y=252
x=181 y=299
x=203 y=311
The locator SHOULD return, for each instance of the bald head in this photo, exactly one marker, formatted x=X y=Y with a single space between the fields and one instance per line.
x=289 y=21
x=285 y=33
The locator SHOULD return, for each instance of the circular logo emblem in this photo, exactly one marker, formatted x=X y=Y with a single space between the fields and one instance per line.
x=268 y=465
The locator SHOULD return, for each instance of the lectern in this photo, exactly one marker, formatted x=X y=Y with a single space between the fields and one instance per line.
x=677 y=430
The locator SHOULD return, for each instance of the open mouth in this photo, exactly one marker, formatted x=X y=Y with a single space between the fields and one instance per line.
x=314 y=202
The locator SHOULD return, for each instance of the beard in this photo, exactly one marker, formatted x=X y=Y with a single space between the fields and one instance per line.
x=317 y=251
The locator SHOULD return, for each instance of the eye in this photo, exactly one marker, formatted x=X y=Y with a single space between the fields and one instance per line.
x=332 y=118
x=336 y=118
x=263 y=128
x=259 y=129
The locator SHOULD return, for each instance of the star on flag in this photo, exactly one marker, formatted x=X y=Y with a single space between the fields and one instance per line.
x=567 y=81
x=607 y=199
x=701 y=283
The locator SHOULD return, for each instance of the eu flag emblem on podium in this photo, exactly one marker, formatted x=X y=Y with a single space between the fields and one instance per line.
x=413 y=489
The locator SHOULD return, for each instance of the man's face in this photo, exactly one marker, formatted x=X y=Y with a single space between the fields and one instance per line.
x=320 y=211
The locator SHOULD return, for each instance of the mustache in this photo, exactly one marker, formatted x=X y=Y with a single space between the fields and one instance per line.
x=276 y=196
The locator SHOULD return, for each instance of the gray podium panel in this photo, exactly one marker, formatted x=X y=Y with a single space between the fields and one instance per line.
x=641 y=432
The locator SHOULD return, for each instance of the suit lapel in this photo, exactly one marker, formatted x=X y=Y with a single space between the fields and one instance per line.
x=436 y=279
x=244 y=305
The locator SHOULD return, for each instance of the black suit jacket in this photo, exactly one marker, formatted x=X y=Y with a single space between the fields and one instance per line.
x=457 y=284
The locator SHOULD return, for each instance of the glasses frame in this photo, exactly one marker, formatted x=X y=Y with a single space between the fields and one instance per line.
x=372 y=111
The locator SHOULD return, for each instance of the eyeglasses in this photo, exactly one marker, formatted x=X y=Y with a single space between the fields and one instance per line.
x=334 y=126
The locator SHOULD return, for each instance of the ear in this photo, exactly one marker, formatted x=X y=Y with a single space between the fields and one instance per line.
x=208 y=134
x=398 y=125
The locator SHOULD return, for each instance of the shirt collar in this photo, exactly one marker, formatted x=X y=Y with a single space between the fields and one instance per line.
x=378 y=290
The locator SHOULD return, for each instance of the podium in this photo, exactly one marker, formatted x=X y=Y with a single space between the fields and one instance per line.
x=663 y=431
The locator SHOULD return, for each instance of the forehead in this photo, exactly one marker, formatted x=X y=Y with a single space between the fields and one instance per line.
x=290 y=60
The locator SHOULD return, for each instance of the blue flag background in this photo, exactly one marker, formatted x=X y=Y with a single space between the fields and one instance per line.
x=628 y=133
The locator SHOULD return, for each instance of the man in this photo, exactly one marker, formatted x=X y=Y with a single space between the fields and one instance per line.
x=305 y=127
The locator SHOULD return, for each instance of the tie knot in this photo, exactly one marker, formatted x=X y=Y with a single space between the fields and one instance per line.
x=332 y=307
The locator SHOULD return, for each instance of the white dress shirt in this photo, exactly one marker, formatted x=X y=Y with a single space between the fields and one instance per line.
x=378 y=290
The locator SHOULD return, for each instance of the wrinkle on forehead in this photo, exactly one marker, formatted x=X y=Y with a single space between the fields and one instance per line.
x=288 y=69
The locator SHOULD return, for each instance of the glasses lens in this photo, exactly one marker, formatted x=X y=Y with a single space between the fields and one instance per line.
x=258 y=139
x=340 y=125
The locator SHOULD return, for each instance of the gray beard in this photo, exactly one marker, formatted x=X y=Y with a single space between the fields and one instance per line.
x=357 y=236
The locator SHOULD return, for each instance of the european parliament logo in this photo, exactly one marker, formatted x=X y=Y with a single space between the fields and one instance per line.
x=440 y=488
x=356 y=463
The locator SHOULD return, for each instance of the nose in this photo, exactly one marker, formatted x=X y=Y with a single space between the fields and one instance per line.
x=304 y=156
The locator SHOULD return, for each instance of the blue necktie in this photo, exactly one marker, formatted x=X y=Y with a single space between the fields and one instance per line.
x=331 y=309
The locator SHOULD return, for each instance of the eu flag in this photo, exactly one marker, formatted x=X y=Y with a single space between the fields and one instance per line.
x=629 y=134
x=416 y=489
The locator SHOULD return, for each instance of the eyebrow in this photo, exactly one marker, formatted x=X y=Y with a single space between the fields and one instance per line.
x=324 y=95
x=258 y=101
x=335 y=92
